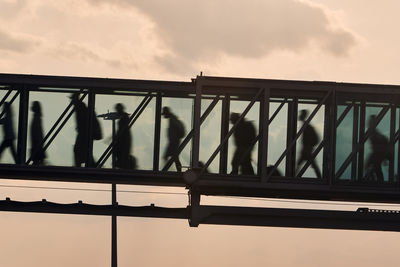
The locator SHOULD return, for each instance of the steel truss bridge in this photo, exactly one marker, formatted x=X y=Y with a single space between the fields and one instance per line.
x=339 y=111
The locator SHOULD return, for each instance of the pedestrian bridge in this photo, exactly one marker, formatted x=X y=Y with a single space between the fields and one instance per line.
x=340 y=113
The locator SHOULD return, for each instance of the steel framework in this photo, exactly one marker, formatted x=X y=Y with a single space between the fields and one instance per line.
x=341 y=110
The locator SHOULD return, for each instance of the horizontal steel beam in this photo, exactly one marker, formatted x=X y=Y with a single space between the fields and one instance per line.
x=90 y=175
x=94 y=83
x=212 y=184
x=362 y=219
x=297 y=218
x=90 y=209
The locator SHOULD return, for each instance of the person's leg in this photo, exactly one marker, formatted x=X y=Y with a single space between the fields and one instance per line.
x=77 y=154
x=314 y=165
x=2 y=147
x=299 y=162
x=178 y=164
x=235 y=162
x=13 y=151
x=379 y=173
x=246 y=166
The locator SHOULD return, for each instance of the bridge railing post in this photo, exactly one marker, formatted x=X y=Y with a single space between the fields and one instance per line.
x=196 y=124
x=91 y=108
x=223 y=158
x=22 y=124
x=157 y=134
x=263 y=133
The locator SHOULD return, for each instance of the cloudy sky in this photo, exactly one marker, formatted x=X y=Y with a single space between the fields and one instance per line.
x=335 y=40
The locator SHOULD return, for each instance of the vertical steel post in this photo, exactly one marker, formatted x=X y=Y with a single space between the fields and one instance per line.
x=398 y=156
x=223 y=155
x=392 y=141
x=196 y=124
x=157 y=133
x=361 y=143
x=22 y=124
x=291 y=134
x=113 y=158
x=114 y=254
x=330 y=153
x=356 y=118
x=91 y=107
x=263 y=132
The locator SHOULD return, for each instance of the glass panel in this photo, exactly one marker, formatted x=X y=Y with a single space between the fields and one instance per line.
x=309 y=140
x=44 y=110
x=376 y=167
x=9 y=124
x=210 y=132
x=179 y=111
x=134 y=150
x=240 y=154
x=344 y=139
x=277 y=134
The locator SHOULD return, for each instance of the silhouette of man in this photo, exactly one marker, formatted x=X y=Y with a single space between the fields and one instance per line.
x=309 y=139
x=381 y=151
x=37 y=153
x=124 y=142
x=82 y=121
x=243 y=136
x=176 y=131
x=8 y=131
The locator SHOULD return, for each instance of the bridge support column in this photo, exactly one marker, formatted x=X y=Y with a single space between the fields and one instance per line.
x=194 y=203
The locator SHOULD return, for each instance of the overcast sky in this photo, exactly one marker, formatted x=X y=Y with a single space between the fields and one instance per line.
x=334 y=40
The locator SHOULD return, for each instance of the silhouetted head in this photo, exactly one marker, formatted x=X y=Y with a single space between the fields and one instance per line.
x=234 y=117
x=166 y=112
x=303 y=114
x=372 y=121
x=74 y=97
x=36 y=108
x=119 y=108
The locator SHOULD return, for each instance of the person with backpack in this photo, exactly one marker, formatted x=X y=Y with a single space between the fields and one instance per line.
x=310 y=139
x=244 y=136
x=381 y=151
x=82 y=137
x=176 y=131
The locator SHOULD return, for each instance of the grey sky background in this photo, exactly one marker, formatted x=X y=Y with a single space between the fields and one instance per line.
x=336 y=40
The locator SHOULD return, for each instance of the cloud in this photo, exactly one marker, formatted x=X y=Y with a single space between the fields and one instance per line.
x=14 y=43
x=199 y=31
x=84 y=54
x=10 y=8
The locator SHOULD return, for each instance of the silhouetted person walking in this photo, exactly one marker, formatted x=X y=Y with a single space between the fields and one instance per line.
x=244 y=135
x=309 y=139
x=37 y=153
x=124 y=142
x=8 y=131
x=82 y=121
x=381 y=151
x=176 y=131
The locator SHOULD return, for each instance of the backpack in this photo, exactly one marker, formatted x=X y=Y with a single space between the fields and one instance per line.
x=249 y=132
x=97 y=133
x=310 y=136
x=384 y=146
x=180 y=129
